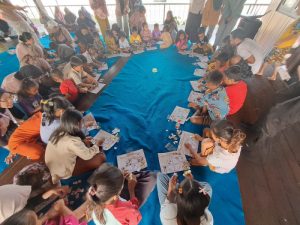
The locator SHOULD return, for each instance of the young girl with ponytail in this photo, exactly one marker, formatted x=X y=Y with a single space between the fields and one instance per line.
x=185 y=203
x=221 y=148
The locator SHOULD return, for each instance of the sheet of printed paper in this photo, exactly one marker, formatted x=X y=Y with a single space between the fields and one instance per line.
x=103 y=67
x=159 y=42
x=196 y=85
x=138 y=52
x=123 y=54
x=98 y=88
x=193 y=54
x=203 y=65
x=109 y=139
x=151 y=48
x=203 y=58
x=195 y=97
x=172 y=162
x=199 y=72
x=97 y=76
x=186 y=52
x=90 y=122
x=132 y=161
x=187 y=137
x=113 y=56
x=179 y=115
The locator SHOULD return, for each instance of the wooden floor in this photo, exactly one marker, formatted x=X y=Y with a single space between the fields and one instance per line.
x=269 y=178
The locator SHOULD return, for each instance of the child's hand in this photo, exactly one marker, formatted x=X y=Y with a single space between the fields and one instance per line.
x=59 y=191
x=198 y=137
x=131 y=182
x=173 y=183
x=88 y=141
x=192 y=105
x=10 y=158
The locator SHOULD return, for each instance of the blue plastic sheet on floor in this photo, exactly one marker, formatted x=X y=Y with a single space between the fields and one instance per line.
x=138 y=102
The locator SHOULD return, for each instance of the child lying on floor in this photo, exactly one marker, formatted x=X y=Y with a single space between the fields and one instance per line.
x=220 y=147
x=214 y=101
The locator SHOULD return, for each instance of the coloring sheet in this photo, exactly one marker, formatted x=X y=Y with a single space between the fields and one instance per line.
x=172 y=162
x=187 y=137
x=109 y=139
x=132 y=161
x=103 y=67
x=90 y=122
x=186 y=52
x=203 y=65
x=203 y=58
x=138 y=52
x=113 y=56
x=195 y=97
x=97 y=76
x=196 y=85
x=151 y=48
x=123 y=54
x=159 y=42
x=179 y=115
x=199 y=72
x=98 y=88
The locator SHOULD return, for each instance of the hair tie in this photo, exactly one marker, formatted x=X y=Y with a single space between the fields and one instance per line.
x=202 y=191
x=180 y=191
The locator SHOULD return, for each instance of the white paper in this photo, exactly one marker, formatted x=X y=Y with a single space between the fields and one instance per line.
x=159 y=42
x=132 y=161
x=199 y=72
x=195 y=97
x=203 y=65
x=151 y=48
x=97 y=76
x=123 y=54
x=186 y=52
x=103 y=67
x=203 y=58
x=113 y=56
x=187 y=137
x=138 y=52
x=90 y=122
x=98 y=88
x=172 y=162
x=109 y=139
x=195 y=85
x=179 y=115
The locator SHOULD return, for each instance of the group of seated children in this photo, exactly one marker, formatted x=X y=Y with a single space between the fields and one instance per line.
x=54 y=134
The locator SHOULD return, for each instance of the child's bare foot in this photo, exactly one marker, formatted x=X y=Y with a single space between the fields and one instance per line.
x=272 y=78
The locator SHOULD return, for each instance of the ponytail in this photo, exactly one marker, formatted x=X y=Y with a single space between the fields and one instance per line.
x=236 y=141
x=106 y=182
x=225 y=130
x=25 y=36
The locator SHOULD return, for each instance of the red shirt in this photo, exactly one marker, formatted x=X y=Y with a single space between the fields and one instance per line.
x=69 y=87
x=236 y=94
x=126 y=212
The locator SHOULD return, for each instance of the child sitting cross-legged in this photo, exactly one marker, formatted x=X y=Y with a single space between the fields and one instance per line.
x=67 y=87
x=69 y=152
x=74 y=71
x=92 y=56
x=220 y=147
x=202 y=46
x=146 y=35
x=112 y=47
x=185 y=202
x=214 y=101
x=135 y=40
x=156 y=32
x=181 y=41
x=123 y=43
x=29 y=97
x=166 y=37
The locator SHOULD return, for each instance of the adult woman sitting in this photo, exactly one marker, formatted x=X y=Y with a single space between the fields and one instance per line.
x=60 y=35
x=25 y=140
x=30 y=53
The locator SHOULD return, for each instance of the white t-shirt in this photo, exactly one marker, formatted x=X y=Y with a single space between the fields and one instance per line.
x=222 y=160
x=249 y=47
x=168 y=211
x=124 y=44
x=88 y=57
x=13 y=198
x=47 y=130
